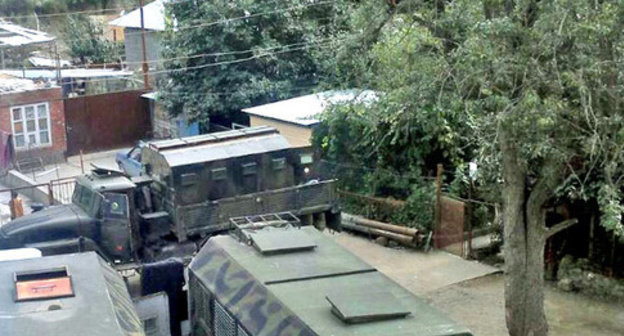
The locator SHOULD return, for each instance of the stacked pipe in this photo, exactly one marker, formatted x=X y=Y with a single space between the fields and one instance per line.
x=404 y=235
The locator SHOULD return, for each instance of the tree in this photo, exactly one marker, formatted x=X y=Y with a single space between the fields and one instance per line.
x=242 y=53
x=87 y=43
x=537 y=88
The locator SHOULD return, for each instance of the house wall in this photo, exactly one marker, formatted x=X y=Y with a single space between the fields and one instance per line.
x=297 y=136
x=53 y=96
x=165 y=127
x=133 y=46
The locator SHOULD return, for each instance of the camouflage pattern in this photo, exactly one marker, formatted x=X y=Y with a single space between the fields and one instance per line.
x=255 y=308
x=127 y=317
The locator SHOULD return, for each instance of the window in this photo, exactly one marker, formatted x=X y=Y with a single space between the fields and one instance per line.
x=31 y=126
x=249 y=168
x=306 y=159
x=279 y=163
x=219 y=174
x=116 y=206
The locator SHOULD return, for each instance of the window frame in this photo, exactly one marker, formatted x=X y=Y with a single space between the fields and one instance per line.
x=25 y=133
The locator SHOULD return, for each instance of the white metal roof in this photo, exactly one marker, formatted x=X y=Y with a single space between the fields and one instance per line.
x=153 y=17
x=305 y=110
x=47 y=62
x=67 y=73
x=12 y=35
x=9 y=84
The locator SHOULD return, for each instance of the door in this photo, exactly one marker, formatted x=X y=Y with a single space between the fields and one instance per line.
x=115 y=229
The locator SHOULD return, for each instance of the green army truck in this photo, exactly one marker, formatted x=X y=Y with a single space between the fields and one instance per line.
x=190 y=189
x=72 y=294
x=271 y=277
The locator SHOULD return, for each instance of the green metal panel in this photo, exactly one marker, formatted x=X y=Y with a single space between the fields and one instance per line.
x=291 y=290
x=354 y=305
x=327 y=259
x=269 y=240
x=101 y=305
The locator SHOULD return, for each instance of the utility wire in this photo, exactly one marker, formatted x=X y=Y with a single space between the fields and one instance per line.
x=226 y=20
x=297 y=47
x=91 y=11
x=226 y=93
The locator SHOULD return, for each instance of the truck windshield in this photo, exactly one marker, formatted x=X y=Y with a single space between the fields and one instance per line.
x=86 y=199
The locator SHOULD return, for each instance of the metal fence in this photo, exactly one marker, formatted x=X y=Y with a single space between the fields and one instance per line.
x=36 y=196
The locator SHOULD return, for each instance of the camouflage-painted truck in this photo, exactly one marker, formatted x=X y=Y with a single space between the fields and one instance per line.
x=189 y=190
x=72 y=294
x=269 y=278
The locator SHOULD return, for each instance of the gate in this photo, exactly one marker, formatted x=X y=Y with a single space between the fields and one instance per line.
x=106 y=121
x=449 y=230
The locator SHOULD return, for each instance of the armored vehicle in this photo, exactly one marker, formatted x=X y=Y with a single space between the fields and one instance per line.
x=191 y=189
x=275 y=278
x=72 y=294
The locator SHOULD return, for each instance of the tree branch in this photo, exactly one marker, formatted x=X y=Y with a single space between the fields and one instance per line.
x=553 y=230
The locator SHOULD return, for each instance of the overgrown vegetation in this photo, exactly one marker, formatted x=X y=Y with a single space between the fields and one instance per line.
x=241 y=53
x=86 y=42
x=530 y=90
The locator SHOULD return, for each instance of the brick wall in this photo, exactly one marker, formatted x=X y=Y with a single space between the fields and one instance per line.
x=53 y=97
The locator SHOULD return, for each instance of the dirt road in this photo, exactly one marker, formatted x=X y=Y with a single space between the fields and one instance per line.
x=470 y=294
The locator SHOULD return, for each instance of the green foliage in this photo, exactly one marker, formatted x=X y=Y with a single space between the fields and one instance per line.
x=263 y=52
x=28 y=7
x=85 y=41
x=457 y=76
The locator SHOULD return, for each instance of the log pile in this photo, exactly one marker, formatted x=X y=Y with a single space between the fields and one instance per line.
x=404 y=235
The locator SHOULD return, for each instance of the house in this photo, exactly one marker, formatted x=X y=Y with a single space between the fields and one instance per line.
x=165 y=126
x=296 y=118
x=34 y=114
x=153 y=24
x=13 y=36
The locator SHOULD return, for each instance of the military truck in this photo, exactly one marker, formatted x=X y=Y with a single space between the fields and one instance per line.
x=72 y=294
x=191 y=187
x=274 y=277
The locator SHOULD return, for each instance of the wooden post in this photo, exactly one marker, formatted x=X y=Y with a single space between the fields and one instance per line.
x=50 y=194
x=590 y=248
x=469 y=220
x=438 y=205
x=81 y=162
x=145 y=68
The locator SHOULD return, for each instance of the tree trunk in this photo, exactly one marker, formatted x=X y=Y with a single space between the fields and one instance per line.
x=524 y=248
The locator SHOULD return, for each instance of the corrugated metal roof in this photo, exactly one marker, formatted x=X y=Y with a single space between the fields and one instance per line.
x=10 y=84
x=211 y=138
x=12 y=35
x=223 y=150
x=305 y=110
x=153 y=17
x=67 y=73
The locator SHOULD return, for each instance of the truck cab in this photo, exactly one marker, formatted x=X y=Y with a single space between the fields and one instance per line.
x=99 y=218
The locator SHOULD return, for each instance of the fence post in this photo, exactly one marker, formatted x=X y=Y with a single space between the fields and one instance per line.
x=438 y=205
x=81 y=162
x=50 y=193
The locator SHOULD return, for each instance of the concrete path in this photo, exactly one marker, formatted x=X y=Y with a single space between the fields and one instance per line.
x=417 y=271
x=72 y=167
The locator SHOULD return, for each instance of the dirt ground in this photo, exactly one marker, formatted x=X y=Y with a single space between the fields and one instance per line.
x=477 y=301
x=479 y=304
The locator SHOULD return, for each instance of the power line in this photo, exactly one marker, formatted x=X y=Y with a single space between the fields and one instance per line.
x=297 y=47
x=226 y=93
x=227 y=20
x=62 y=13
